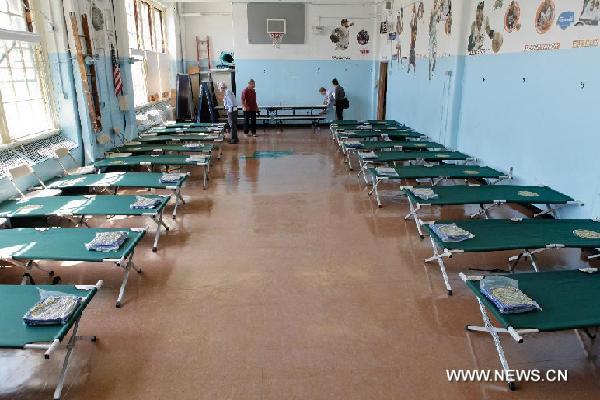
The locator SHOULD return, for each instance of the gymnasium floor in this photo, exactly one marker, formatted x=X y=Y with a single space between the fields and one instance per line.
x=283 y=281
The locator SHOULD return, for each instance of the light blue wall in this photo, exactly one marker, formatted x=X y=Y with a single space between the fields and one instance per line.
x=426 y=105
x=547 y=128
x=297 y=82
x=63 y=85
x=112 y=116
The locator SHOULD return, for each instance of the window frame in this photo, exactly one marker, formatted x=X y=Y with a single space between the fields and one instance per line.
x=39 y=52
x=140 y=49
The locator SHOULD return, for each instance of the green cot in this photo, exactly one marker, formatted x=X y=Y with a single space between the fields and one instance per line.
x=354 y=146
x=16 y=300
x=216 y=139
x=391 y=157
x=84 y=206
x=487 y=197
x=199 y=137
x=168 y=130
x=435 y=173
x=569 y=300
x=164 y=148
x=156 y=160
x=23 y=247
x=193 y=125
x=529 y=236
x=116 y=180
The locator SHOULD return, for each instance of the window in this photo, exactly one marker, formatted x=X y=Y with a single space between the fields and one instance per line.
x=25 y=109
x=159 y=43
x=145 y=27
x=131 y=10
x=138 y=75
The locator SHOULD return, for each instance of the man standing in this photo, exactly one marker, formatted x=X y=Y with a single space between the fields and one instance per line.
x=231 y=108
x=341 y=102
x=250 y=108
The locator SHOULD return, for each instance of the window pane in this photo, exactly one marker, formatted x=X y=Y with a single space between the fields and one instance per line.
x=22 y=95
x=131 y=26
x=11 y=15
x=158 y=32
x=140 y=92
x=146 y=28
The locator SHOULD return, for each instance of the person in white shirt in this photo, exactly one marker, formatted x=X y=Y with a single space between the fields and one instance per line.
x=328 y=100
x=230 y=103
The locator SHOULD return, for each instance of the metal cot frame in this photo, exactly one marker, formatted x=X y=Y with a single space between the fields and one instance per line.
x=157 y=218
x=439 y=254
x=50 y=348
x=217 y=143
x=415 y=207
x=348 y=152
x=205 y=165
x=125 y=263
x=587 y=336
x=376 y=180
x=176 y=191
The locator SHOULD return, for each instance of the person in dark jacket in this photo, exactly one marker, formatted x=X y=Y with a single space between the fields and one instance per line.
x=341 y=102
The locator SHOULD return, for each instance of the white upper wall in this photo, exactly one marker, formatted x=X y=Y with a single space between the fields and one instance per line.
x=317 y=46
x=526 y=26
x=212 y=19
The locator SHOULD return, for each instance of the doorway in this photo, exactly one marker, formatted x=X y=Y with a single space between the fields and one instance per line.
x=382 y=91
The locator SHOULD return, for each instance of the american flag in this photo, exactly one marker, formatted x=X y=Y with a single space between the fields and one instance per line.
x=116 y=73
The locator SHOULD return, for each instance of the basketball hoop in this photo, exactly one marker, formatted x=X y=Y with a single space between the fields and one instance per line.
x=277 y=37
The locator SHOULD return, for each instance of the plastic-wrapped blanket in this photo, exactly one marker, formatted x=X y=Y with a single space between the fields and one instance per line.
x=386 y=171
x=506 y=295
x=451 y=232
x=52 y=310
x=424 y=193
x=107 y=241
x=170 y=178
x=353 y=144
x=197 y=158
x=145 y=203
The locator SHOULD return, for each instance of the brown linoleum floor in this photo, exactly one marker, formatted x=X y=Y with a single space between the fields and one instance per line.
x=284 y=281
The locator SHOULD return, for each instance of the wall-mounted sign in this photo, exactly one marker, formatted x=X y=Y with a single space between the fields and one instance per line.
x=542 y=47
x=577 y=44
x=565 y=19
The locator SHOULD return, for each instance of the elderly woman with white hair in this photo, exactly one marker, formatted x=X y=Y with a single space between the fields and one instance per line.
x=230 y=104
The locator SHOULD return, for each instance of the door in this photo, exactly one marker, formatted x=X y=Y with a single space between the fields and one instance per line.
x=383 y=71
